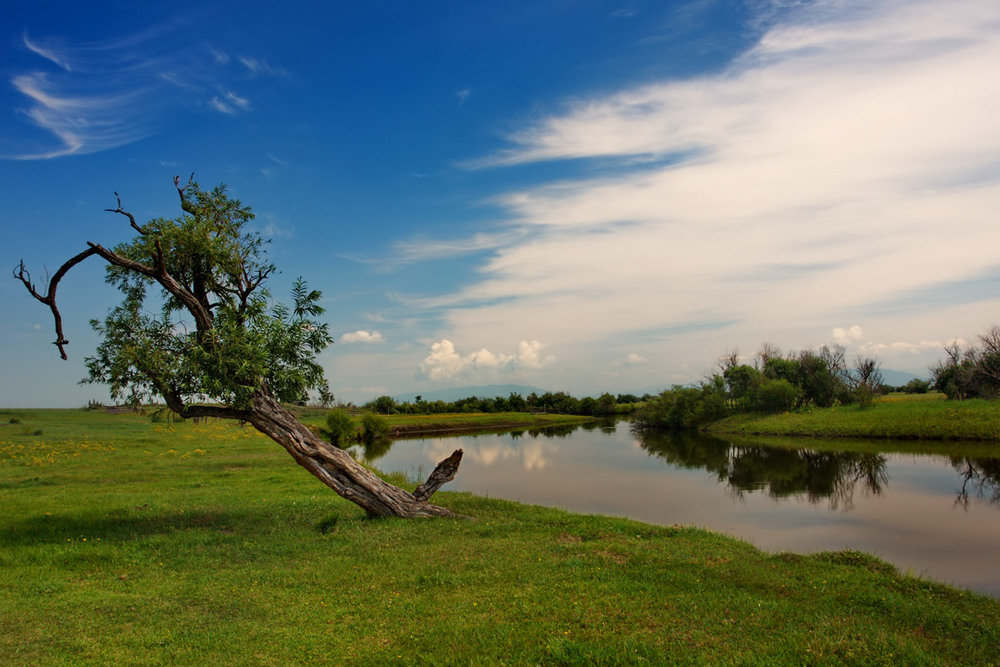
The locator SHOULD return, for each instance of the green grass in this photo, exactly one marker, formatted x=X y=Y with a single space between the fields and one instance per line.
x=125 y=541
x=898 y=416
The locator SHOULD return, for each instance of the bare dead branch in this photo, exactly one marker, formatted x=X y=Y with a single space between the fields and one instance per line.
x=131 y=218
x=443 y=473
x=185 y=203
x=49 y=299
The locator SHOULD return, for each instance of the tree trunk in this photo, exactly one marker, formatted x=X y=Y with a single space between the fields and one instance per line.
x=335 y=467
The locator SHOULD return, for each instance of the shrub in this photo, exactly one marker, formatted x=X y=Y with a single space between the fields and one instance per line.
x=339 y=427
x=373 y=427
x=680 y=408
x=776 y=396
x=916 y=386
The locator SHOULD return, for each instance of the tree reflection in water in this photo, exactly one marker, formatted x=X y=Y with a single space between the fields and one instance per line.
x=980 y=477
x=779 y=472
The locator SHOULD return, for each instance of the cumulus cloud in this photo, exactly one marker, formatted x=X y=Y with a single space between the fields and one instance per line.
x=800 y=185
x=362 y=336
x=847 y=335
x=634 y=359
x=444 y=362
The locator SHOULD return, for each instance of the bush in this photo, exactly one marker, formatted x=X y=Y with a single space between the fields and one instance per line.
x=680 y=408
x=373 y=427
x=776 y=396
x=339 y=427
x=916 y=386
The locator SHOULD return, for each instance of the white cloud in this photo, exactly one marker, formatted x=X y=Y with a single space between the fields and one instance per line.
x=111 y=93
x=82 y=123
x=422 y=250
x=230 y=104
x=362 y=336
x=259 y=66
x=905 y=347
x=444 y=362
x=49 y=54
x=849 y=159
x=846 y=336
x=634 y=359
x=463 y=95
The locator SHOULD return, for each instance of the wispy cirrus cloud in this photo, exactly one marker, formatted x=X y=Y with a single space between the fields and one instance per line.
x=854 y=140
x=106 y=94
x=261 y=67
x=230 y=103
x=416 y=250
x=50 y=54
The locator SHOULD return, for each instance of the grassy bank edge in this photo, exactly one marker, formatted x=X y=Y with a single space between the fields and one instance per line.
x=897 y=417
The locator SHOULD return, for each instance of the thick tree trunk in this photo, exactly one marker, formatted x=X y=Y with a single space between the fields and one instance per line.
x=335 y=467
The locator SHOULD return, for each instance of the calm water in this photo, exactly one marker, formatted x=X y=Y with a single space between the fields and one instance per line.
x=930 y=515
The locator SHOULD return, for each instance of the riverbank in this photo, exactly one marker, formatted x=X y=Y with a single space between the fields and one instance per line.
x=204 y=542
x=896 y=416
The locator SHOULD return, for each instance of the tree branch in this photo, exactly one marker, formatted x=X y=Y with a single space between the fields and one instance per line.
x=202 y=316
x=131 y=218
x=443 y=473
x=21 y=273
x=185 y=203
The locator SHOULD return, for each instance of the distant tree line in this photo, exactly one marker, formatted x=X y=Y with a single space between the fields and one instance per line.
x=772 y=382
x=559 y=402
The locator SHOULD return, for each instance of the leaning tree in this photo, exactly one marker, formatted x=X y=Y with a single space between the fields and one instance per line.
x=218 y=345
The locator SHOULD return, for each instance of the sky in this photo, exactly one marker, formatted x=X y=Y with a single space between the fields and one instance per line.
x=576 y=195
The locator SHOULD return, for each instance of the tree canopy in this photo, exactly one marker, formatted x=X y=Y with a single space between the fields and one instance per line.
x=212 y=342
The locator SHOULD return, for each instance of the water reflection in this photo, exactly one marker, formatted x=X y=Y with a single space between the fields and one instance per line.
x=780 y=473
x=930 y=513
x=980 y=479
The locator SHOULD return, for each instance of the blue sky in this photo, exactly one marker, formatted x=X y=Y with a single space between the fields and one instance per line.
x=575 y=195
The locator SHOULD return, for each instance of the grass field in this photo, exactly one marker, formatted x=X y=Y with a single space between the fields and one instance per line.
x=127 y=541
x=899 y=416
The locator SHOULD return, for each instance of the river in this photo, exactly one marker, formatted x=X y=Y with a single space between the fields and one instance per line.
x=931 y=515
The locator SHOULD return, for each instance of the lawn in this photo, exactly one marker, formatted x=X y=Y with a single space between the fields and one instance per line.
x=128 y=541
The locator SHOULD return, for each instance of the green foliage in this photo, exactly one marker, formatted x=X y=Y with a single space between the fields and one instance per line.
x=741 y=380
x=680 y=408
x=373 y=427
x=383 y=405
x=339 y=427
x=973 y=372
x=250 y=343
x=818 y=382
x=776 y=396
x=916 y=386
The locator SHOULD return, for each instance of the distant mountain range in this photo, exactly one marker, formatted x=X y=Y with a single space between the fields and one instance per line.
x=483 y=391
x=897 y=378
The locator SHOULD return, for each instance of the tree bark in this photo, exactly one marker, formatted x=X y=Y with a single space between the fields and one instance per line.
x=335 y=467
